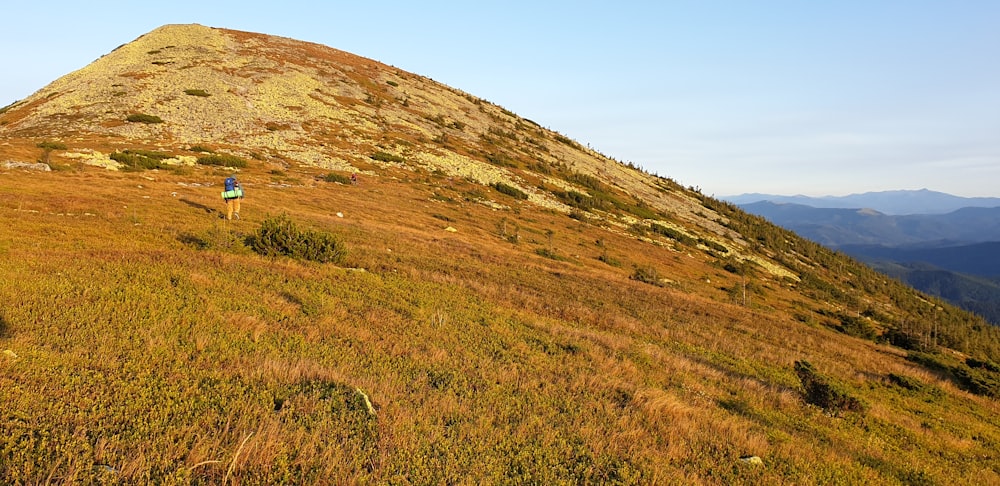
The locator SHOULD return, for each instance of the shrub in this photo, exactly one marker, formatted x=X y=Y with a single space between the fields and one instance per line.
x=548 y=253
x=575 y=199
x=224 y=160
x=906 y=382
x=51 y=145
x=672 y=234
x=335 y=177
x=201 y=148
x=387 y=157
x=501 y=160
x=821 y=392
x=857 y=327
x=980 y=381
x=143 y=118
x=197 y=92
x=647 y=274
x=279 y=236
x=139 y=159
x=509 y=190
x=713 y=245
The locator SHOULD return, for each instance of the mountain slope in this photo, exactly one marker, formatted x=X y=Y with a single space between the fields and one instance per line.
x=512 y=307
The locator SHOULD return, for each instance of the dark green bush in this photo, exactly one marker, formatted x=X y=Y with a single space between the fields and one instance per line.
x=821 y=392
x=906 y=382
x=51 y=145
x=856 y=326
x=672 y=234
x=980 y=381
x=279 y=236
x=575 y=199
x=647 y=274
x=335 y=177
x=143 y=118
x=387 y=157
x=224 y=160
x=197 y=92
x=985 y=364
x=509 y=190
x=139 y=159
x=501 y=160
x=713 y=245
x=201 y=148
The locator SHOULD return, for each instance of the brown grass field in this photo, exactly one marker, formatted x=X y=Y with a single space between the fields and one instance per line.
x=143 y=342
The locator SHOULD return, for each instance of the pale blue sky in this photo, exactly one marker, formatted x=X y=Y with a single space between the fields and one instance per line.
x=789 y=97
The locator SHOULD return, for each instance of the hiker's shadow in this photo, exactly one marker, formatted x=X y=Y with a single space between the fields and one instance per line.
x=201 y=206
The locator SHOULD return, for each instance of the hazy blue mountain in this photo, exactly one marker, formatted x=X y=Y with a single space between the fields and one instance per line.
x=921 y=201
x=980 y=259
x=838 y=227
x=954 y=255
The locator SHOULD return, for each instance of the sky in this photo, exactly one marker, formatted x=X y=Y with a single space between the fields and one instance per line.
x=807 y=97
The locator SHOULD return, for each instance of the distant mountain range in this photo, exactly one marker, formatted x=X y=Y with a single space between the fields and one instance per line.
x=921 y=201
x=951 y=250
x=838 y=227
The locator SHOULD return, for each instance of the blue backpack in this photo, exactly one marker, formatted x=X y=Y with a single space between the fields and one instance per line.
x=232 y=189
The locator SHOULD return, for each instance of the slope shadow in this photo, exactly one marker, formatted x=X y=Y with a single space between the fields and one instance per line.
x=201 y=206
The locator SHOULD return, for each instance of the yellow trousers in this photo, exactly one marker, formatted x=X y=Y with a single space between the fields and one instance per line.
x=232 y=206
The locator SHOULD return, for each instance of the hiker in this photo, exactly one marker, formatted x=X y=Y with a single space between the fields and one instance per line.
x=232 y=195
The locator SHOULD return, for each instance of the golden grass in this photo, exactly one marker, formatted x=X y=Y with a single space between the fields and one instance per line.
x=140 y=356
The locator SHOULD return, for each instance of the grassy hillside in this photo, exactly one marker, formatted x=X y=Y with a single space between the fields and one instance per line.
x=145 y=342
x=493 y=303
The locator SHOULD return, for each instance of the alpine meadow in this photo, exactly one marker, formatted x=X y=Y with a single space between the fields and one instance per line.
x=425 y=288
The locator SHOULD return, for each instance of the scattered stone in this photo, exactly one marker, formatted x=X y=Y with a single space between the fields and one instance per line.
x=451 y=230
x=340 y=214
x=756 y=461
x=10 y=353
x=13 y=164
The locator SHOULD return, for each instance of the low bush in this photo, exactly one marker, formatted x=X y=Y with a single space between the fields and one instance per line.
x=906 y=382
x=224 y=160
x=279 y=236
x=823 y=393
x=335 y=177
x=575 y=199
x=980 y=381
x=647 y=274
x=856 y=326
x=197 y=92
x=386 y=157
x=713 y=245
x=672 y=234
x=51 y=145
x=509 y=190
x=501 y=160
x=143 y=118
x=134 y=160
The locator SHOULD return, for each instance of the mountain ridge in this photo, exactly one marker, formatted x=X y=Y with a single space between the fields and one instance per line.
x=894 y=202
